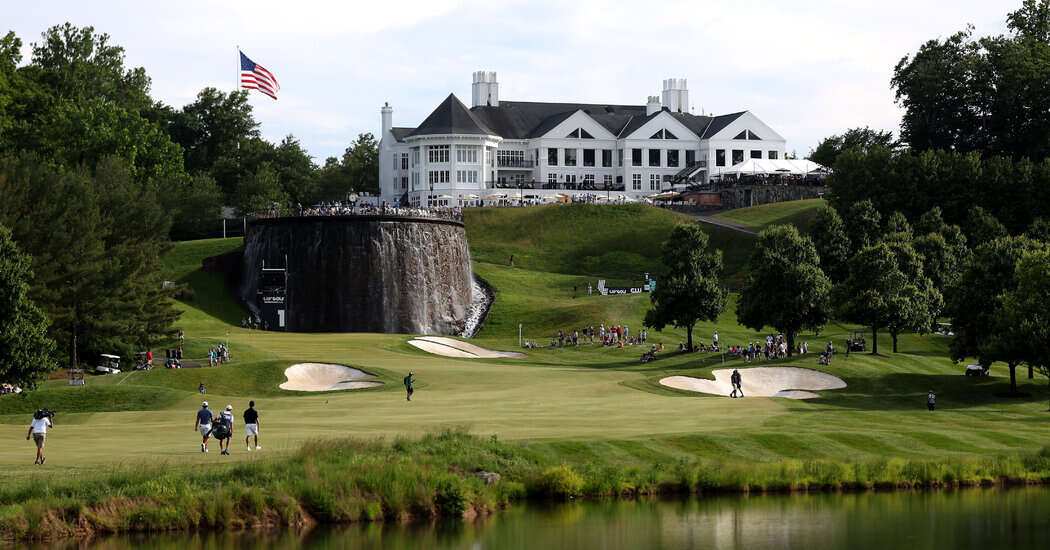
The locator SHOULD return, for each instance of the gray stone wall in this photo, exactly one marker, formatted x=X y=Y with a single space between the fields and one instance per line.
x=364 y=273
x=753 y=195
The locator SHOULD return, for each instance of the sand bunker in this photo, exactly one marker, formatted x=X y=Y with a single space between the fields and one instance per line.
x=789 y=382
x=325 y=377
x=450 y=347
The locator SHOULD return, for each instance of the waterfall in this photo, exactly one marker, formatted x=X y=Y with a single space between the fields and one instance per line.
x=366 y=274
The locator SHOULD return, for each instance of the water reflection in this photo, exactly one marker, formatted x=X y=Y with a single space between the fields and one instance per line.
x=948 y=519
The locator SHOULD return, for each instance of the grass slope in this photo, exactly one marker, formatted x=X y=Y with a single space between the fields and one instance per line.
x=618 y=242
x=580 y=406
x=799 y=213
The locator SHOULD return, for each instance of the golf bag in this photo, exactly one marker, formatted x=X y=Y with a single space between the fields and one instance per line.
x=221 y=428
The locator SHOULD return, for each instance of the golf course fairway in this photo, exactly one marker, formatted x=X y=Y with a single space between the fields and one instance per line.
x=572 y=405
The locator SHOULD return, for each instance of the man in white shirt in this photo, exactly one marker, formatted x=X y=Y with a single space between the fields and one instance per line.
x=38 y=430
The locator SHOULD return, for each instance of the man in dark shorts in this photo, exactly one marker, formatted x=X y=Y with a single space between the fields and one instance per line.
x=251 y=426
x=735 y=380
x=930 y=399
x=408 y=386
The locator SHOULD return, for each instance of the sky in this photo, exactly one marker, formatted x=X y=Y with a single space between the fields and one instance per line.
x=807 y=68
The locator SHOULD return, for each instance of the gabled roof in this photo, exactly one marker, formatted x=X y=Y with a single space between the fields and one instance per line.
x=530 y=119
x=695 y=124
x=549 y=124
x=719 y=122
x=634 y=124
x=451 y=117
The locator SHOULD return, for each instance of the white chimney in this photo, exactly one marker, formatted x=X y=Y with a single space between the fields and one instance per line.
x=388 y=117
x=676 y=95
x=485 y=89
x=653 y=106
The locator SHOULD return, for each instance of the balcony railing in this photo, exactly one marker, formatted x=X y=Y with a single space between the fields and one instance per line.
x=577 y=186
x=515 y=163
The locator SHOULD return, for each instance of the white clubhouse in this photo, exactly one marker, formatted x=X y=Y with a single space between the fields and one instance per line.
x=497 y=149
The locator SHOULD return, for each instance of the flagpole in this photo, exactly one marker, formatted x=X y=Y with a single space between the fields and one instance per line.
x=237 y=80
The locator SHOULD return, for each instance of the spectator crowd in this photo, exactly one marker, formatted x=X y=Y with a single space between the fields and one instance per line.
x=336 y=208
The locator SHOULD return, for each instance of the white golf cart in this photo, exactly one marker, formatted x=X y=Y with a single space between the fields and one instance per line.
x=110 y=364
x=976 y=369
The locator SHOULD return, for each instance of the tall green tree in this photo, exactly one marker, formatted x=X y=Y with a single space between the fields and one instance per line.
x=196 y=207
x=219 y=137
x=257 y=192
x=785 y=287
x=77 y=103
x=863 y=225
x=943 y=248
x=25 y=349
x=887 y=289
x=973 y=303
x=361 y=164
x=95 y=240
x=296 y=171
x=1024 y=318
x=833 y=246
x=982 y=227
x=864 y=139
x=989 y=95
x=1039 y=230
x=689 y=291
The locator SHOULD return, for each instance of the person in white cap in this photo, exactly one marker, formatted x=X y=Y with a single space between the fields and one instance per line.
x=203 y=424
x=226 y=418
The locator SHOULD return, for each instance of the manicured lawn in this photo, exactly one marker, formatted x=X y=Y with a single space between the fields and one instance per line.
x=568 y=404
x=799 y=213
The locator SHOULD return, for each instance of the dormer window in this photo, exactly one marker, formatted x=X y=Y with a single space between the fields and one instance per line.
x=663 y=134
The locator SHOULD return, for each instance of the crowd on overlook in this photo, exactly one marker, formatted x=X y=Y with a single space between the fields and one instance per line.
x=276 y=210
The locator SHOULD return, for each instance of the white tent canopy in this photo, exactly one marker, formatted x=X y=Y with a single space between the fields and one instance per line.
x=771 y=166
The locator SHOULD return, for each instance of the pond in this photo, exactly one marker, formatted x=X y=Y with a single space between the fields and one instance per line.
x=969 y=518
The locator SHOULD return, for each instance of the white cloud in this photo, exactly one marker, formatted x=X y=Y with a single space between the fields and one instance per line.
x=810 y=68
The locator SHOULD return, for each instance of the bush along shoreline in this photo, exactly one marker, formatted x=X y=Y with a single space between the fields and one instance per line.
x=447 y=475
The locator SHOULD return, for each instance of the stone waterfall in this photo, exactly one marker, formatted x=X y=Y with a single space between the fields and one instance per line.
x=364 y=273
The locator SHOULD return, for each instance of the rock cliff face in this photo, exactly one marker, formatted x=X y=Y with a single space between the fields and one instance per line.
x=364 y=273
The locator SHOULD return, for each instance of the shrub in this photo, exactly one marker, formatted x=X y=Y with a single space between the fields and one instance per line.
x=559 y=482
x=451 y=497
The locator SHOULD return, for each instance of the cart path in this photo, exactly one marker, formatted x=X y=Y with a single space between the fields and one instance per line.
x=723 y=223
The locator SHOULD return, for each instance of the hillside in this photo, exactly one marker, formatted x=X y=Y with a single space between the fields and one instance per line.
x=801 y=214
x=615 y=242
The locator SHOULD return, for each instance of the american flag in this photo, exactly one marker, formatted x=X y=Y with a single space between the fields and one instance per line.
x=256 y=77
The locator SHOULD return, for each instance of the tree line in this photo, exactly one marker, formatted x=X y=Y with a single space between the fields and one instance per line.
x=885 y=274
x=97 y=177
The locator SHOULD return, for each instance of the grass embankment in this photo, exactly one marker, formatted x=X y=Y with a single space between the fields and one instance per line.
x=434 y=477
x=801 y=214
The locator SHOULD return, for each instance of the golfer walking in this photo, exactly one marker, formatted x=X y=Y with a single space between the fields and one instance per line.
x=930 y=400
x=226 y=417
x=251 y=426
x=735 y=381
x=38 y=429
x=408 y=386
x=203 y=423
